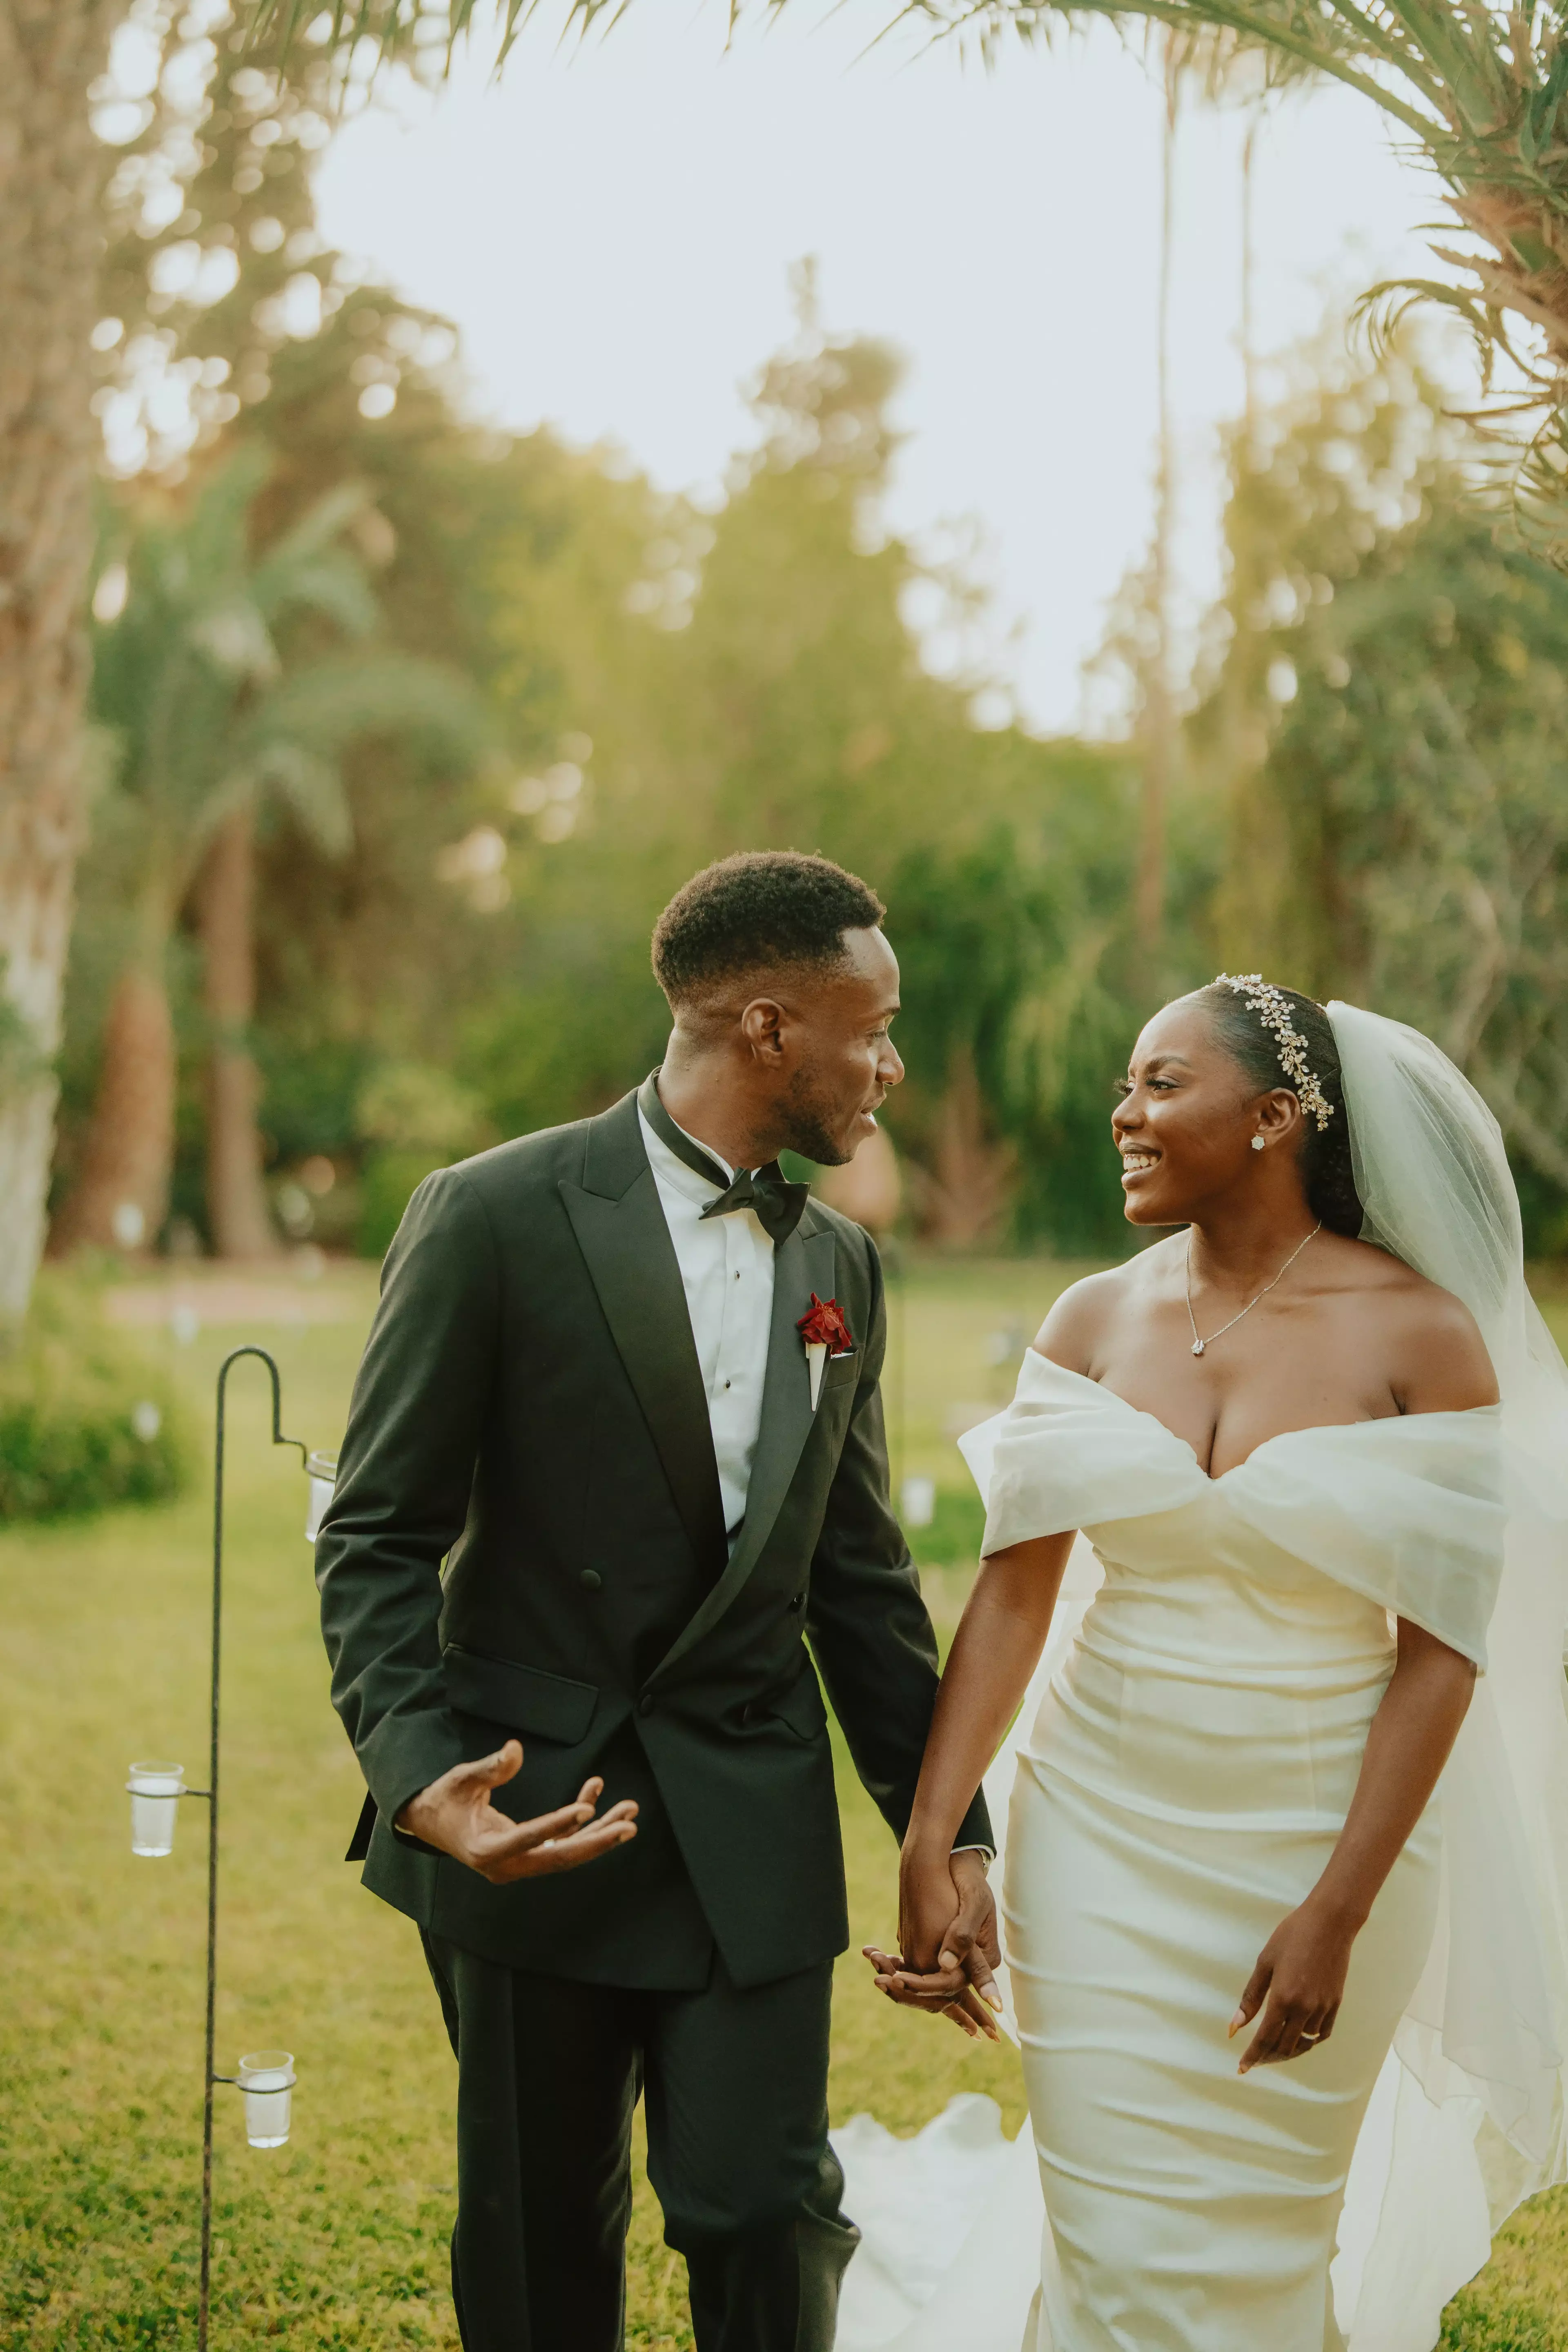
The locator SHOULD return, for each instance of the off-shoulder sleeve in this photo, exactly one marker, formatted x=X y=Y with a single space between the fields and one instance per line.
x=1407 y=1512
x=1068 y=1454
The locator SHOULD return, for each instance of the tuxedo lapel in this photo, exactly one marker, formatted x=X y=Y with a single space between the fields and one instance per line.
x=802 y=1263
x=625 y=1240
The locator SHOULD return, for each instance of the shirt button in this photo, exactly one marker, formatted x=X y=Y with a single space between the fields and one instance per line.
x=727 y=1384
x=590 y=1580
x=644 y=1704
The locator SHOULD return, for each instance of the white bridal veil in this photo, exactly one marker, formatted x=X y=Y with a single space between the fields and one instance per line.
x=1469 y=2114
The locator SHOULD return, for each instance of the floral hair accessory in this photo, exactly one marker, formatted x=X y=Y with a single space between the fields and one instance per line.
x=1272 y=1007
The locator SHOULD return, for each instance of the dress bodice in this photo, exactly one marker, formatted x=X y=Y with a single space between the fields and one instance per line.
x=1405 y=1513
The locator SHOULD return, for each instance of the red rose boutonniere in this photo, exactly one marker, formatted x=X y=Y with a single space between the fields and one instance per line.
x=826 y=1333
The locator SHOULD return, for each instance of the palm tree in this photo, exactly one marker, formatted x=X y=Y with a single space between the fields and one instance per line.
x=1158 y=716
x=210 y=722
x=53 y=168
x=50 y=181
x=1479 y=92
x=1223 y=71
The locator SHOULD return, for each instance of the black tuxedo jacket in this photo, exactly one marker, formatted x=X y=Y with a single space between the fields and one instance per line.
x=529 y=1403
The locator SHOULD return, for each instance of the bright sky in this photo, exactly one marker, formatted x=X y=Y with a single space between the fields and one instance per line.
x=611 y=228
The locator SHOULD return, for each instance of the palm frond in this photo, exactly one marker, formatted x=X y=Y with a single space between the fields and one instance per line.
x=309 y=785
x=319 y=525
x=233 y=635
x=332 y=583
x=392 y=23
x=347 y=699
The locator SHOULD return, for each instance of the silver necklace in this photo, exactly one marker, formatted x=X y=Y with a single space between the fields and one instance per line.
x=1199 y=1345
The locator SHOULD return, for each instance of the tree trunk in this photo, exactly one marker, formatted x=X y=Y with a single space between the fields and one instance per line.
x=964 y=1194
x=1249 y=272
x=226 y=897
x=867 y=1187
x=122 y=1196
x=1159 y=701
x=51 y=170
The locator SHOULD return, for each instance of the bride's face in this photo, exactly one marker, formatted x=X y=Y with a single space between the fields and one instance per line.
x=1186 y=1120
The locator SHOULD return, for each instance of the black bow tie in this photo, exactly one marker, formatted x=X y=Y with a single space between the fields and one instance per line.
x=775 y=1202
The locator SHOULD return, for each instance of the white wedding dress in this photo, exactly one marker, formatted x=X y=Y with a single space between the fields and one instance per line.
x=1180 y=1773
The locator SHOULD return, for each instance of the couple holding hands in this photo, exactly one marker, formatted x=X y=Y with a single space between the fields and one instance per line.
x=1281 y=1890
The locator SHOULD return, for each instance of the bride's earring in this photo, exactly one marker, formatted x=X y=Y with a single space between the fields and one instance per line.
x=1257 y=1144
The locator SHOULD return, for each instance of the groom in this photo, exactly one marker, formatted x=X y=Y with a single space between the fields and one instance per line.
x=589 y=1387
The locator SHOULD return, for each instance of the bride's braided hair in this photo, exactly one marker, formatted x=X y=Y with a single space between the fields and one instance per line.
x=1325 y=1154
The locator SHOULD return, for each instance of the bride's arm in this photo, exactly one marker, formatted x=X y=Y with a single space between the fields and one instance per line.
x=1301 y=1970
x=995 y=1651
x=1443 y=1367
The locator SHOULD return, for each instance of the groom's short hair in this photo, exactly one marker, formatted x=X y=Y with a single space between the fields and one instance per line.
x=758 y=910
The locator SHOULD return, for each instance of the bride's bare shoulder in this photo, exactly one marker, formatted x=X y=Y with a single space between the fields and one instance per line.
x=1437 y=1357
x=1072 y=1333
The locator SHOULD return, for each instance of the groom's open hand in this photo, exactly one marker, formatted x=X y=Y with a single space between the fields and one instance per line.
x=947 y=1925
x=456 y=1814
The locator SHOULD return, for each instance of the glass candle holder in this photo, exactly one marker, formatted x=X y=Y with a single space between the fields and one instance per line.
x=266 y=2079
x=322 y=1469
x=155 y=1792
x=917 y=1502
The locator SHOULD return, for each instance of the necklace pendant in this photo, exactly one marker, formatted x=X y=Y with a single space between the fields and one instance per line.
x=1197 y=1347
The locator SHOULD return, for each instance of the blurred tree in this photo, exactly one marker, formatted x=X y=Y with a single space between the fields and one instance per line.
x=416 y=1118
x=466 y=919
x=1158 y=727
x=768 y=689
x=1348 y=453
x=77 y=79
x=50 y=182
x=210 y=721
x=1404 y=838
x=216 y=273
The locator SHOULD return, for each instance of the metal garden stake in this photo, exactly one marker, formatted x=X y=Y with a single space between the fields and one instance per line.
x=267 y=2076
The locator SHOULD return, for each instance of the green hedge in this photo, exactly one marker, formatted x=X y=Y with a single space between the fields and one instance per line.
x=388 y=1184
x=85 y=1421
x=954 y=1536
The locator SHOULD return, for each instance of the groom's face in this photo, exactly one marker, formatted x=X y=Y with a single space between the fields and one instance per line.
x=839 y=1059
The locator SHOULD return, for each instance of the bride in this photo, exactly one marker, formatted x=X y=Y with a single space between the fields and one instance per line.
x=1268 y=1825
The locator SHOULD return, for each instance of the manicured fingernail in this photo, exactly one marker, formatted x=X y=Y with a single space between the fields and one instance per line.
x=947 y=1961
x=994 y=2001
x=1234 y=2028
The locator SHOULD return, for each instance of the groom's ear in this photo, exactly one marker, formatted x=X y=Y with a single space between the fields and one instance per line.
x=763 y=1024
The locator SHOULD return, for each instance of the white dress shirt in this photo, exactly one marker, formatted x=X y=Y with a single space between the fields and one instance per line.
x=727 y=1267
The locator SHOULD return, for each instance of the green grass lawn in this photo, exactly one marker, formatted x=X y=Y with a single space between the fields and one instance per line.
x=339 y=2239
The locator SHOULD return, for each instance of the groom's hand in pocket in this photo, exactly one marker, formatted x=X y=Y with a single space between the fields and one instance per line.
x=455 y=1814
x=947 y=1927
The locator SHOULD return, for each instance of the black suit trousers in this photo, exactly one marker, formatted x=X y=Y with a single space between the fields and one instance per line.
x=549 y=2072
